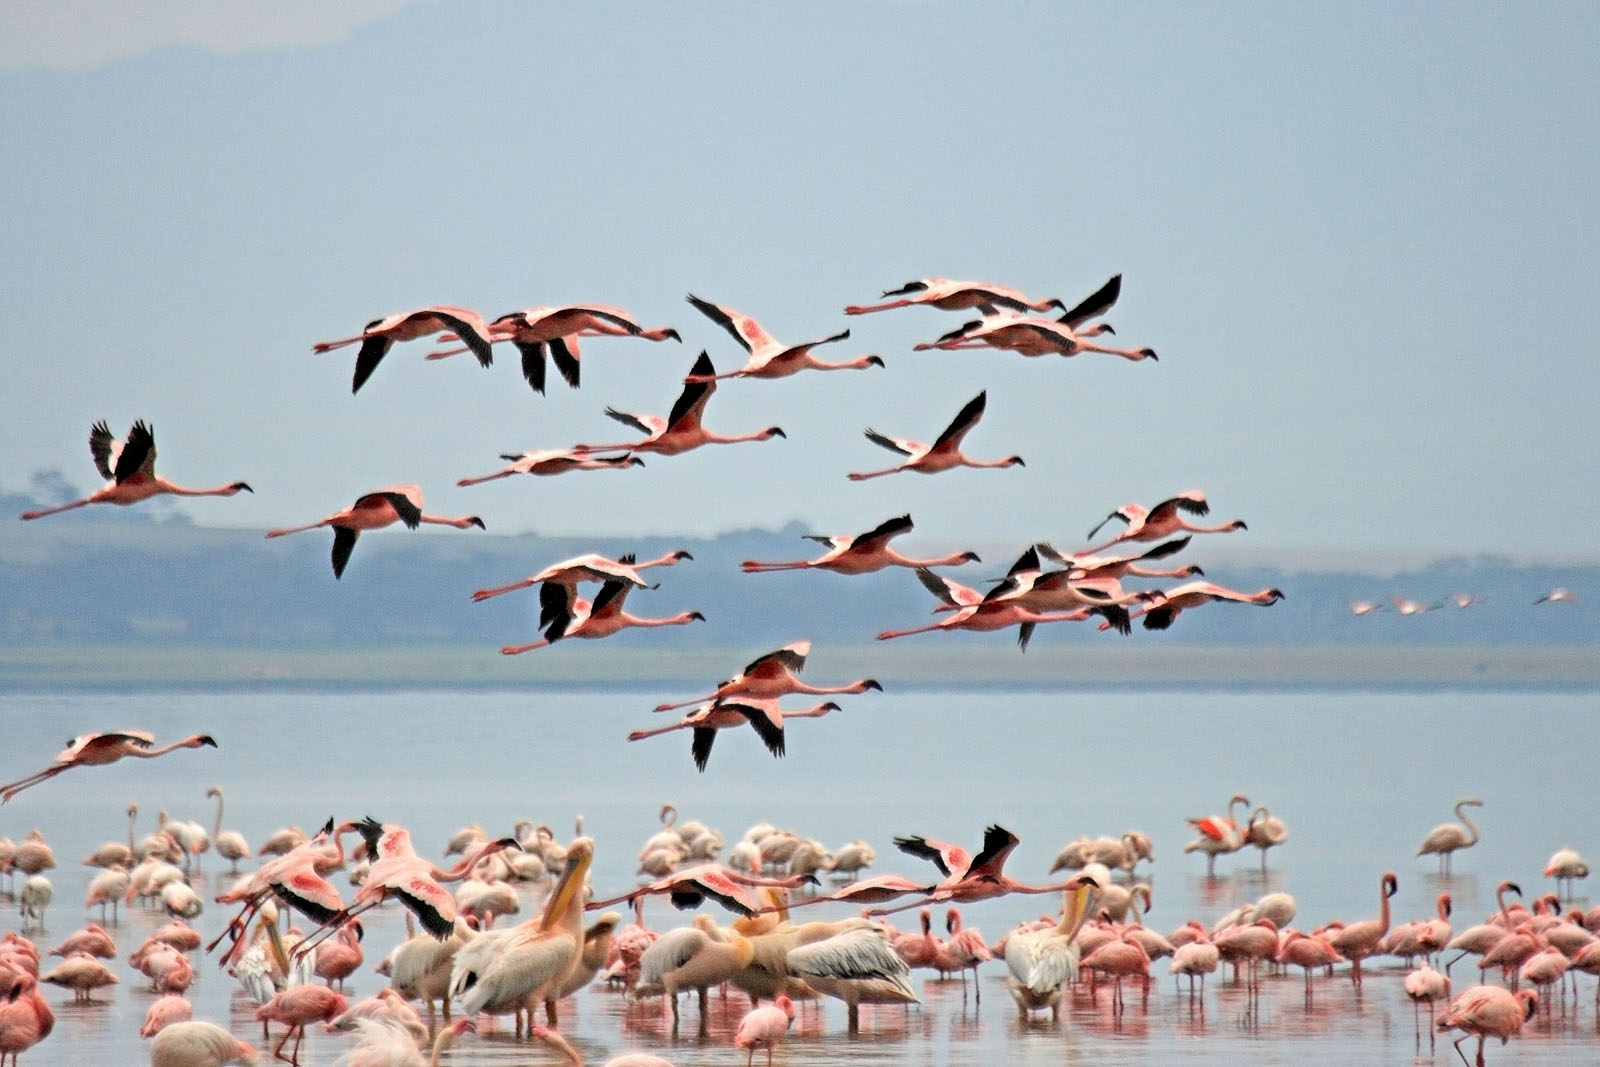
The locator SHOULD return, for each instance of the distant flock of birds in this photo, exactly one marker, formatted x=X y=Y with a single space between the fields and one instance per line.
x=462 y=961
x=1407 y=606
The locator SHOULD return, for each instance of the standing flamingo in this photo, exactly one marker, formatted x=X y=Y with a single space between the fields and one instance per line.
x=862 y=553
x=948 y=295
x=764 y=1028
x=1219 y=834
x=25 y=1018
x=1445 y=838
x=552 y=462
x=373 y=511
x=769 y=358
x=379 y=336
x=681 y=430
x=130 y=471
x=1426 y=986
x=566 y=615
x=297 y=1007
x=1264 y=830
x=231 y=844
x=775 y=674
x=534 y=329
x=1488 y=1011
x=99 y=749
x=1358 y=940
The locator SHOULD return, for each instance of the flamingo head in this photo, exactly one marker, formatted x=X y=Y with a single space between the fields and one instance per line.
x=473 y=520
x=774 y=431
x=874 y=361
x=1015 y=461
x=695 y=615
x=1391 y=884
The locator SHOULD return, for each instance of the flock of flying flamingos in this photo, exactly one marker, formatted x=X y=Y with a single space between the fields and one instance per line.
x=853 y=960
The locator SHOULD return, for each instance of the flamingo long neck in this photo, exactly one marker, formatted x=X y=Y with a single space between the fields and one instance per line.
x=178 y=490
x=446 y=1037
x=216 y=831
x=559 y=1044
x=1472 y=827
x=469 y=861
x=1505 y=910
x=1383 y=908
x=152 y=753
x=133 y=817
x=460 y=523
x=300 y=529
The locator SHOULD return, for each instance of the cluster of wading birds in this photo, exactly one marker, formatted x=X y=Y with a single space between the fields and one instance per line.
x=859 y=960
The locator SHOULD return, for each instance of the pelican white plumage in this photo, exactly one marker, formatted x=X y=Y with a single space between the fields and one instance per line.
x=1041 y=962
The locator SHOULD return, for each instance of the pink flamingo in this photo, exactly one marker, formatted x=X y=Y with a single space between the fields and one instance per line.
x=294 y=878
x=1163 y=520
x=918 y=948
x=373 y=511
x=1434 y=934
x=773 y=675
x=971 y=610
x=764 y=716
x=296 y=1007
x=99 y=749
x=983 y=878
x=1446 y=838
x=558 y=328
x=196 y=1043
x=948 y=295
x=862 y=553
x=25 y=1018
x=1481 y=938
x=379 y=336
x=551 y=462
x=1088 y=566
x=1123 y=958
x=130 y=472
x=967 y=949
x=1247 y=946
x=1219 y=834
x=172 y=1008
x=769 y=358
x=589 y=567
x=1487 y=1011
x=943 y=453
x=1361 y=939
x=338 y=958
x=1426 y=986
x=1029 y=336
x=1163 y=607
x=1196 y=958
x=398 y=872
x=681 y=431
x=764 y=1028
x=567 y=615
x=692 y=886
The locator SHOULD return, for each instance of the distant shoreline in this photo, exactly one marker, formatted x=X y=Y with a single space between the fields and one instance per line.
x=29 y=669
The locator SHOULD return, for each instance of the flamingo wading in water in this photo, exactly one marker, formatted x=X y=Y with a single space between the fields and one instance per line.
x=129 y=468
x=1445 y=838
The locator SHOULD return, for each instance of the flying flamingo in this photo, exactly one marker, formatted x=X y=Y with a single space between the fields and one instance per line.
x=681 y=430
x=1084 y=565
x=1558 y=595
x=1445 y=838
x=1163 y=520
x=764 y=1028
x=983 y=878
x=130 y=471
x=572 y=616
x=373 y=511
x=948 y=295
x=1358 y=940
x=1030 y=336
x=975 y=611
x=1488 y=1011
x=381 y=334
x=692 y=886
x=773 y=675
x=943 y=454
x=769 y=358
x=764 y=716
x=558 y=328
x=589 y=567
x=99 y=749
x=862 y=553
x=1164 y=606
x=553 y=461
x=397 y=871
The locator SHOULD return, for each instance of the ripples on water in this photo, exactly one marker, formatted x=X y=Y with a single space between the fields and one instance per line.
x=1359 y=776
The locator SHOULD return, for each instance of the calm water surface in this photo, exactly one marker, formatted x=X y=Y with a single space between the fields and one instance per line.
x=1358 y=776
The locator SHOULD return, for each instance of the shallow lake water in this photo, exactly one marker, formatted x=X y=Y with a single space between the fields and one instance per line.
x=1359 y=776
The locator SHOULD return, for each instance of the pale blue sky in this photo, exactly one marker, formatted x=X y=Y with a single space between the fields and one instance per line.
x=1362 y=239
